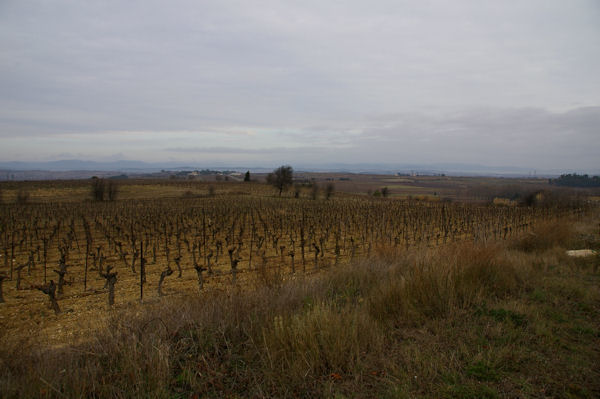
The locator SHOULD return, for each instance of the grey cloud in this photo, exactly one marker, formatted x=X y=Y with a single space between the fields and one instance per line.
x=380 y=79
x=230 y=150
x=527 y=137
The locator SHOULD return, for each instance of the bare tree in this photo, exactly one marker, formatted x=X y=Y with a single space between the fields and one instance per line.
x=281 y=178
x=329 y=189
x=112 y=190
x=98 y=189
x=314 y=191
x=103 y=189
x=22 y=196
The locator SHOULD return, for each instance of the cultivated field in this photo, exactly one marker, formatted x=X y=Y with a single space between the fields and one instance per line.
x=236 y=235
x=170 y=242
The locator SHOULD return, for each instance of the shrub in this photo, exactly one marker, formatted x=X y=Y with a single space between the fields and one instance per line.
x=22 y=196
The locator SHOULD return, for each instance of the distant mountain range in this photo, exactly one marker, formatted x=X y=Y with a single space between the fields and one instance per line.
x=75 y=164
x=86 y=168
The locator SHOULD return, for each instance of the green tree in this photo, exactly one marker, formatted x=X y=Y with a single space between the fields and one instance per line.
x=281 y=178
x=247 y=176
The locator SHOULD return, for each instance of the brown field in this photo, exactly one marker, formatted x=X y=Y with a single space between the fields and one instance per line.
x=246 y=237
x=442 y=187
x=183 y=219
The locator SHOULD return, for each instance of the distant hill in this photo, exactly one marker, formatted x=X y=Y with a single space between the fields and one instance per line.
x=20 y=170
x=71 y=165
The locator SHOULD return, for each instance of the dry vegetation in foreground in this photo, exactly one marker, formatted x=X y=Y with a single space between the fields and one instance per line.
x=460 y=321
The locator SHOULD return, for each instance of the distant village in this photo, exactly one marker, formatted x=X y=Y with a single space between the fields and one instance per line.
x=204 y=174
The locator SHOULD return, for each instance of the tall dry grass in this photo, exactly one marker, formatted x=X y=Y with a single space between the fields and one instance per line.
x=436 y=283
x=544 y=236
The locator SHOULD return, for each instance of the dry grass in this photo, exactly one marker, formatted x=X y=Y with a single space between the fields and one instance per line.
x=545 y=235
x=463 y=321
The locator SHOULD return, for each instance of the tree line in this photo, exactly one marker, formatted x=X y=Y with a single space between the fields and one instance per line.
x=575 y=180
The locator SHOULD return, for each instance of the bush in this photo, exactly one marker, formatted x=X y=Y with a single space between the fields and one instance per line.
x=22 y=196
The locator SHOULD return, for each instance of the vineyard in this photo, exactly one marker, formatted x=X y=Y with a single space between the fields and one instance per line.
x=80 y=256
x=228 y=290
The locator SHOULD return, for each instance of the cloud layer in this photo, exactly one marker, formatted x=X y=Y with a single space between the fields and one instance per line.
x=506 y=83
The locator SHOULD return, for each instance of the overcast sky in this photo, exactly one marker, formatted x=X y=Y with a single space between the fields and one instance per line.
x=489 y=82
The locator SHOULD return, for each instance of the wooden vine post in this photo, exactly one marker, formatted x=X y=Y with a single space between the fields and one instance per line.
x=142 y=270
